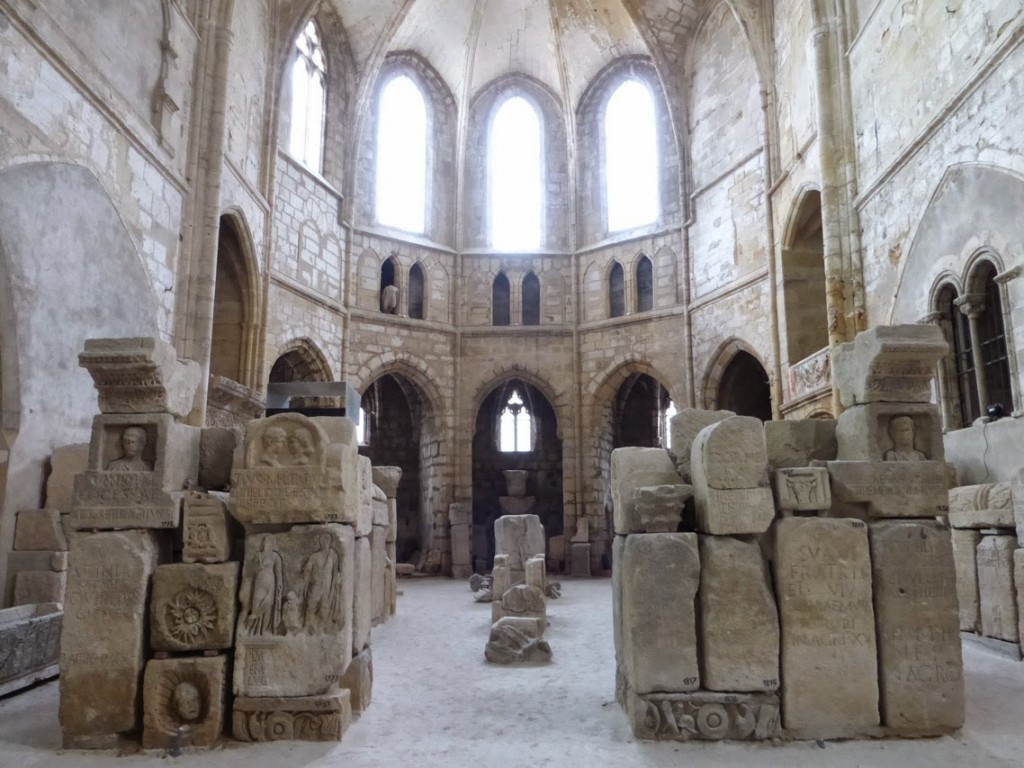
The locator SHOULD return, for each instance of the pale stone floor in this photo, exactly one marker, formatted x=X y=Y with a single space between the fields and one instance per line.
x=437 y=703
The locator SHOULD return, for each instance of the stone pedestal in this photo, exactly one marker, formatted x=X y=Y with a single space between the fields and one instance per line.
x=580 y=554
x=829 y=664
x=184 y=702
x=739 y=621
x=996 y=588
x=660 y=574
x=965 y=545
x=917 y=618
x=103 y=638
x=294 y=635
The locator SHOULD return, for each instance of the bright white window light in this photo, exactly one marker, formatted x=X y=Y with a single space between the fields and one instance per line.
x=631 y=157
x=516 y=426
x=670 y=411
x=363 y=428
x=516 y=181
x=309 y=78
x=402 y=156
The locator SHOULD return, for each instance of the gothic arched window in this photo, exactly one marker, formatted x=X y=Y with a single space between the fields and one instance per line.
x=401 y=186
x=531 y=300
x=501 y=306
x=644 y=285
x=416 y=292
x=515 y=157
x=616 y=291
x=309 y=98
x=631 y=157
x=515 y=425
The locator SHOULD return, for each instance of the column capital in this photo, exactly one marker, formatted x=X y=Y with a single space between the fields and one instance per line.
x=971 y=304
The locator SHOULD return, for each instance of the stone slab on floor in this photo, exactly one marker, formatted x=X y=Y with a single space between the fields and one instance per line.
x=660 y=575
x=921 y=682
x=829 y=668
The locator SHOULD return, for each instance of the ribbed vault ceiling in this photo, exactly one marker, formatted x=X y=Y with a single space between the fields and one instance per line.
x=561 y=43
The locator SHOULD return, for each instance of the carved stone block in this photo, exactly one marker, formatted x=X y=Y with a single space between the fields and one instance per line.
x=536 y=573
x=921 y=670
x=138 y=466
x=292 y=469
x=634 y=468
x=193 y=607
x=512 y=642
x=730 y=454
x=703 y=716
x=1017 y=494
x=362 y=600
x=217 y=447
x=380 y=514
x=791 y=443
x=65 y=462
x=387 y=479
x=378 y=574
x=103 y=638
x=294 y=632
x=39 y=530
x=685 y=426
x=981 y=506
x=739 y=627
x=893 y=364
x=660 y=574
x=358 y=680
x=183 y=702
x=965 y=545
x=364 y=520
x=32 y=587
x=898 y=432
x=802 y=489
x=888 y=489
x=996 y=589
x=579 y=554
x=730 y=478
x=520 y=537
x=140 y=375
x=829 y=665
x=660 y=507
x=206 y=532
x=29 y=645
x=302 y=718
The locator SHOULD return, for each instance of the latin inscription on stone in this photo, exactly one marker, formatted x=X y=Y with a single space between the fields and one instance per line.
x=892 y=489
x=114 y=500
x=917 y=617
x=829 y=667
x=102 y=643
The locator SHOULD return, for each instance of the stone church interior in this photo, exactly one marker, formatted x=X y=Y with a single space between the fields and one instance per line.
x=690 y=332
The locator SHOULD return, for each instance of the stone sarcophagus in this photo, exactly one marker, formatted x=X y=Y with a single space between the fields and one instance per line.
x=29 y=644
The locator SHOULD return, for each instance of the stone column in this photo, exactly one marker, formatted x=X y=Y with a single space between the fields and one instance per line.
x=972 y=305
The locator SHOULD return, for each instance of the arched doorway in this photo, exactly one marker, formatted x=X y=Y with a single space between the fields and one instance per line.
x=396 y=434
x=803 y=281
x=744 y=388
x=302 y=361
x=516 y=428
x=638 y=416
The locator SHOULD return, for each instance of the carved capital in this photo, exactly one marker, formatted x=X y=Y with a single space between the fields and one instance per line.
x=971 y=304
x=1011 y=274
x=932 y=318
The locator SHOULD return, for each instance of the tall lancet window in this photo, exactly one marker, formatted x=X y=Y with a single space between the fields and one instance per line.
x=516 y=176
x=631 y=157
x=309 y=99
x=515 y=425
x=402 y=156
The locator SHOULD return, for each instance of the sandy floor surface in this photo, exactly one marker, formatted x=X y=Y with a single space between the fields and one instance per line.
x=436 y=702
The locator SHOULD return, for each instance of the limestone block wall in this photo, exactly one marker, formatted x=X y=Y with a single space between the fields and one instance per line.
x=247 y=83
x=595 y=265
x=371 y=249
x=309 y=246
x=294 y=316
x=554 y=271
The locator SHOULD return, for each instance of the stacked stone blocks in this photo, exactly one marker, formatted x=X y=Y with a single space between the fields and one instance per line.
x=857 y=633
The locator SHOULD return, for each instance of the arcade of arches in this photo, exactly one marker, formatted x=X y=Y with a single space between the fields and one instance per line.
x=207 y=172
